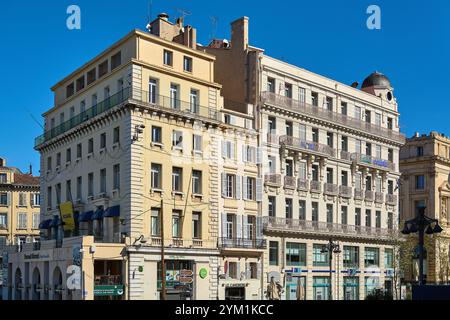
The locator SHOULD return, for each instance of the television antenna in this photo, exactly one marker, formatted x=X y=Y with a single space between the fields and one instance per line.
x=184 y=13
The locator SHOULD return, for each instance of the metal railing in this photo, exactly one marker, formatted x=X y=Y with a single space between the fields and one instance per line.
x=289 y=182
x=242 y=243
x=179 y=242
x=307 y=145
x=272 y=179
x=156 y=101
x=391 y=199
x=302 y=185
x=315 y=186
x=345 y=191
x=317 y=227
x=331 y=116
x=330 y=189
x=370 y=160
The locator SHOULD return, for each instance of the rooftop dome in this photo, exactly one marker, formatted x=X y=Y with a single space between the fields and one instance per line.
x=376 y=79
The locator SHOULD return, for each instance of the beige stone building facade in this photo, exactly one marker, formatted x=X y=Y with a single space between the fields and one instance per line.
x=425 y=167
x=330 y=167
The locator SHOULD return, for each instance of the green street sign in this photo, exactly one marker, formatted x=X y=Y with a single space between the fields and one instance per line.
x=101 y=291
x=203 y=273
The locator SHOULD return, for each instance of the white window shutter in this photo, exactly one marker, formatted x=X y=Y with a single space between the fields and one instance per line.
x=233 y=151
x=238 y=187
x=258 y=155
x=259 y=189
x=32 y=199
x=244 y=153
x=247 y=270
x=224 y=184
x=245 y=226
x=238 y=226
x=8 y=199
x=224 y=226
x=259 y=228
x=245 y=196
x=224 y=149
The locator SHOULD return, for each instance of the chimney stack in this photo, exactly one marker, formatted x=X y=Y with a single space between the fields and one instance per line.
x=239 y=34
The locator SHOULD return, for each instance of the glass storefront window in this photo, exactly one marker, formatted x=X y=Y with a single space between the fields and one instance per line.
x=371 y=283
x=351 y=288
x=320 y=259
x=292 y=288
x=321 y=286
x=173 y=268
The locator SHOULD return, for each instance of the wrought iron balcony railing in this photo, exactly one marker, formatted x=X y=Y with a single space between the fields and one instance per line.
x=131 y=94
x=331 y=116
x=324 y=228
x=242 y=243
x=307 y=145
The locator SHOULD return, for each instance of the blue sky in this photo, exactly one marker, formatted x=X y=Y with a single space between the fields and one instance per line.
x=325 y=36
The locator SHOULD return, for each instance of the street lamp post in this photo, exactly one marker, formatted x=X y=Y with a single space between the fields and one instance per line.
x=331 y=247
x=421 y=224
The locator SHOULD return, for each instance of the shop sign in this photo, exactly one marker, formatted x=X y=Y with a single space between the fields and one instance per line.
x=185 y=280
x=235 y=285
x=37 y=256
x=116 y=290
x=186 y=273
x=203 y=273
x=66 y=210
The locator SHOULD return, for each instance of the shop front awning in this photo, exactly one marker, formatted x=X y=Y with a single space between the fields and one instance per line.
x=45 y=224
x=86 y=216
x=98 y=215
x=112 y=212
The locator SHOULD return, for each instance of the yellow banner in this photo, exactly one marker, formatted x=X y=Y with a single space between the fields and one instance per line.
x=66 y=210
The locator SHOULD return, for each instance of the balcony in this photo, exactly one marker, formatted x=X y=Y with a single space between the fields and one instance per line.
x=242 y=243
x=370 y=161
x=273 y=224
x=289 y=182
x=359 y=194
x=379 y=197
x=308 y=146
x=315 y=187
x=345 y=192
x=182 y=108
x=369 y=195
x=331 y=116
x=391 y=199
x=330 y=189
x=302 y=185
x=273 y=180
x=179 y=243
x=345 y=155
x=272 y=138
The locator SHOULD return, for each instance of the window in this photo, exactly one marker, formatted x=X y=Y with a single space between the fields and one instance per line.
x=80 y=83
x=390 y=123
x=388 y=258
x=116 y=60
x=82 y=107
x=156 y=222
x=232 y=270
x=344 y=178
x=116 y=135
x=197 y=143
x=177 y=178
x=391 y=155
x=330 y=139
x=371 y=257
x=156 y=134
x=68 y=190
x=357 y=216
x=174 y=99
x=369 y=183
x=289 y=129
x=49 y=197
x=272 y=164
x=153 y=91
x=378 y=151
x=357 y=113
x=344 y=215
x=116 y=175
x=329 y=213
x=272 y=207
x=91 y=184
x=250 y=224
x=103 y=141
x=351 y=257
x=177 y=139
x=315 y=135
x=196 y=182
x=176 y=224
x=315 y=99
x=58 y=193
x=272 y=125
x=378 y=119
x=194 y=101
x=156 y=176
x=249 y=188
x=358 y=146
x=390 y=221
x=91 y=76
x=288 y=90
x=36 y=200
x=420 y=182
x=368 y=149
x=91 y=146
x=378 y=219
x=167 y=58
x=187 y=64
x=344 y=108
x=271 y=85
x=49 y=164
x=302 y=210
x=330 y=179
x=295 y=254
x=329 y=104
x=301 y=95
x=3 y=220
x=320 y=259
x=228 y=149
x=368 y=218
x=80 y=188
x=315 y=211
x=68 y=155
x=368 y=116
x=35 y=221
x=103 y=181
x=22 y=221
x=321 y=287
x=103 y=69
x=289 y=168
x=302 y=130
x=344 y=143
x=302 y=170
x=230 y=183
x=230 y=226
x=196 y=225
x=22 y=199
x=58 y=159
x=288 y=208
x=70 y=90
x=3 y=178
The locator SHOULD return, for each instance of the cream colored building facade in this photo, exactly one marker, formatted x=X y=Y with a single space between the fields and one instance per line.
x=330 y=166
x=129 y=143
x=425 y=167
